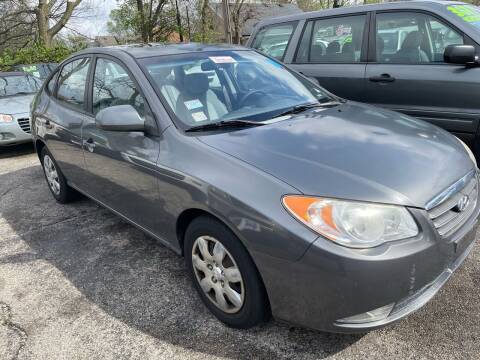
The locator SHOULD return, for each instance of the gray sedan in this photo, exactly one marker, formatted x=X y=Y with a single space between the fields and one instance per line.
x=284 y=199
x=17 y=90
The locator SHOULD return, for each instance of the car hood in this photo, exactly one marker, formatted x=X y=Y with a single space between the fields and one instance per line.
x=16 y=104
x=353 y=151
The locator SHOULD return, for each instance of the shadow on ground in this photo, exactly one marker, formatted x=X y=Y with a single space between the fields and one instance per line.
x=136 y=280
x=16 y=150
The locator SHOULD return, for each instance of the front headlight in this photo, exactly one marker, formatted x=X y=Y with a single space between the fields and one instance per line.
x=5 y=118
x=352 y=223
x=469 y=152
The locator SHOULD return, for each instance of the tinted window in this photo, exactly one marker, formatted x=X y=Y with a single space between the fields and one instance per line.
x=72 y=82
x=273 y=40
x=112 y=86
x=334 y=40
x=413 y=38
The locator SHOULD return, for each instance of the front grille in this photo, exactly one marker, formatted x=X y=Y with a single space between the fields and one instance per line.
x=448 y=216
x=24 y=124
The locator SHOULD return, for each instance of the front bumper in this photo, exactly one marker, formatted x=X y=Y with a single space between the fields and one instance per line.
x=331 y=283
x=16 y=132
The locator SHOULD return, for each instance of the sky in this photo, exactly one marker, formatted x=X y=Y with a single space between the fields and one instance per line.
x=94 y=23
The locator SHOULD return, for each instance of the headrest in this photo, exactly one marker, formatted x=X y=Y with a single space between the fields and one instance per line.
x=333 y=47
x=208 y=66
x=196 y=84
x=412 y=41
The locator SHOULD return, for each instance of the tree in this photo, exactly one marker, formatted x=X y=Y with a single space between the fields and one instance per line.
x=153 y=20
x=26 y=21
x=52 y=16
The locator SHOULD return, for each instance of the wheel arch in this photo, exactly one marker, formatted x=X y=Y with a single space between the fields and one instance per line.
x=39 y=145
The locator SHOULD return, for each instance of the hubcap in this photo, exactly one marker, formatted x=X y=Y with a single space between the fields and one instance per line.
x=218 y=274
x=51 y=174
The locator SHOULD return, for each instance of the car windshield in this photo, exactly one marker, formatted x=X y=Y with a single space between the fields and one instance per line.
x=468 y=13
x=11 y=85
x=203 y=88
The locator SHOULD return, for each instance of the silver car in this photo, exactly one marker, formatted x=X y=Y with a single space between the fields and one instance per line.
x=17 y=90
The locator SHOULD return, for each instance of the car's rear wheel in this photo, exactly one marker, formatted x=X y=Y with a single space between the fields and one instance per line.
x=55 y=179
x=225 y=276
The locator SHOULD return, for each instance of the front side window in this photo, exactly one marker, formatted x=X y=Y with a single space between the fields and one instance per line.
x=273 y=40
x=112 y=85
x=202 y=88
x=72 y=82
x=413 y=38
x=332 y=40
x=11 y=85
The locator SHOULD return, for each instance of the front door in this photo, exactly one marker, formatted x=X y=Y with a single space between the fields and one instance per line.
x=409 y=74
x=333 y=52
x=121 y=164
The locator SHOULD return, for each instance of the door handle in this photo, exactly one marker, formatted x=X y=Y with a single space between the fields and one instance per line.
x=89 y=144
x=48 y=125
x=382 y=78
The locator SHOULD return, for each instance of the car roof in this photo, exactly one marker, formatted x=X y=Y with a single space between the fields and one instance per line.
x=13 y=73
x=160 y=49
x=414 y=4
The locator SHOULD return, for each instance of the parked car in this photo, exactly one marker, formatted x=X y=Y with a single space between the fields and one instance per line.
x=282 y=197
x=17 y=90
x=415 y=57
x=40 y=70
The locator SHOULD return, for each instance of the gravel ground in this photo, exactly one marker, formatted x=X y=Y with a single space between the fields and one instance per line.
x=76 y=282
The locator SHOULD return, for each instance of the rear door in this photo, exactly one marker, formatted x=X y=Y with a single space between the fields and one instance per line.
x=333 y=51
x=407 y=72
x=64 y=115
x=121 y=164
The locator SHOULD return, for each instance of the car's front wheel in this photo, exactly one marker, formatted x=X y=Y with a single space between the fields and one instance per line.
x=224 y=274
x=55 y=179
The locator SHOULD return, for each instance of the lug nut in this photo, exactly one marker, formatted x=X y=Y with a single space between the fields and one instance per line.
x=210 y=267
x=214 y=280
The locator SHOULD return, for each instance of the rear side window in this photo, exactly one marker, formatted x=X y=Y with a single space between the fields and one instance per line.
x=273 y=40
x=332 y=40
x=72 y=82
x=413 y=38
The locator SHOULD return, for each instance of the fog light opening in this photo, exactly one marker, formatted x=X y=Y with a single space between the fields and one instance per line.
x=369 y=316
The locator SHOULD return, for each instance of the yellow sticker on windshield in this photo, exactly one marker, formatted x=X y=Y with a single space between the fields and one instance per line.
x=467 y=13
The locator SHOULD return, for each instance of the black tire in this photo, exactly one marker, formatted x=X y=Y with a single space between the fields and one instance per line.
x=255 y=307
x=65 y=193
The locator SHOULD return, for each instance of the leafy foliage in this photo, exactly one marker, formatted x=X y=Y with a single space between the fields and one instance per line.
x=35 y=54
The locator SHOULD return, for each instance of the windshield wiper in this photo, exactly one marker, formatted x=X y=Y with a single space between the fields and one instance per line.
x=224 y=124
x=304 y=107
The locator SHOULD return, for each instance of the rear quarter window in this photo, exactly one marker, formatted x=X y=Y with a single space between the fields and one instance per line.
x=273 y=40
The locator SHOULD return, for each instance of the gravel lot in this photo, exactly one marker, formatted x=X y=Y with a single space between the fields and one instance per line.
x=76 y=282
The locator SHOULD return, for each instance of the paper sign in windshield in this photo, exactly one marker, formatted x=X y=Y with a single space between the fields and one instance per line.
x=193 y=104
x=223 y=59
x=199 y=116
x=467 y=13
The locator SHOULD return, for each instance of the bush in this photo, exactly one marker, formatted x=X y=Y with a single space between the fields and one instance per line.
x=35 y=54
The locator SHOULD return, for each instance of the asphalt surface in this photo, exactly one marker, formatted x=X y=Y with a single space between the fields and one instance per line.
x=76 y=282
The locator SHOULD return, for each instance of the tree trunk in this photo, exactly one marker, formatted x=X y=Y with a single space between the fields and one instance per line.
x=143 y=25
x=204 y=19
x=42 y=23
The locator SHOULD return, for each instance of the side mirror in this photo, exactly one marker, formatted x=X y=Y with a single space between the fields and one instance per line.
x=459 y=54
x=119 y=118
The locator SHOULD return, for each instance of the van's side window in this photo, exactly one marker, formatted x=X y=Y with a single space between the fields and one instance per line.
x=273 y=40
x=413 y=38
x=332 y=40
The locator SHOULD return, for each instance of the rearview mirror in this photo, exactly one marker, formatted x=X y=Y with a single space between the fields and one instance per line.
x=119 y=118
x=459 y=54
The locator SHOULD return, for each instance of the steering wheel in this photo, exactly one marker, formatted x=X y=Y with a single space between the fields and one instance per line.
x=250 y=94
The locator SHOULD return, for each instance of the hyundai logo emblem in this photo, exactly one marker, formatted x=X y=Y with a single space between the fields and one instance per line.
x=463 y=203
